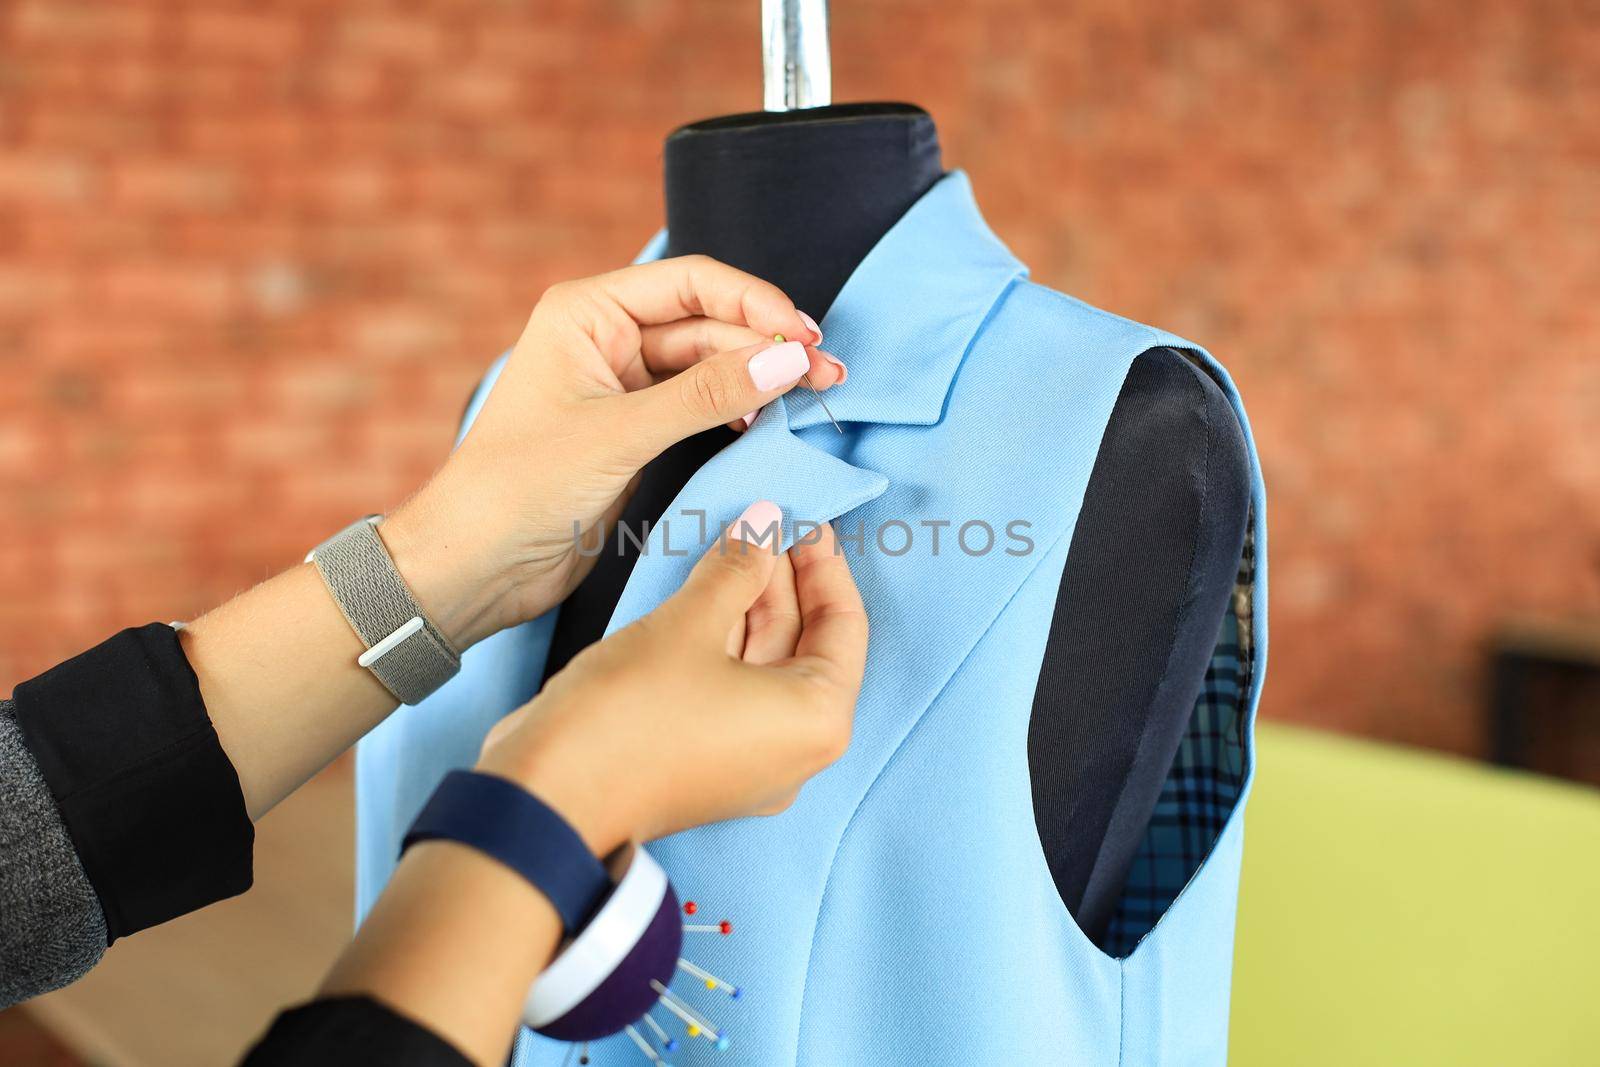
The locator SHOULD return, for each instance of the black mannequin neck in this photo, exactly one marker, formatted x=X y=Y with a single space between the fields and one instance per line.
x=798 y=197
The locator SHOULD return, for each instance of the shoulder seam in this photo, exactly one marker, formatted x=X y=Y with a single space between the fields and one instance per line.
x=1152 y=336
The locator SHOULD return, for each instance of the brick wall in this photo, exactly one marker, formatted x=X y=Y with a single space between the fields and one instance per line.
x=255 y=254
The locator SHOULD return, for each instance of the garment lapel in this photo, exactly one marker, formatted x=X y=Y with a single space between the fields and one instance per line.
x=769 y=462
x=907 y=316
x=903 y=344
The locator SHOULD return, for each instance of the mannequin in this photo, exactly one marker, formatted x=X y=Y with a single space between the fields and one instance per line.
x=798 y=202
x=800 y=198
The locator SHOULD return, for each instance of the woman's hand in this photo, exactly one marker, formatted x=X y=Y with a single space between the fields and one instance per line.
x=609 y=372
x=718 y=704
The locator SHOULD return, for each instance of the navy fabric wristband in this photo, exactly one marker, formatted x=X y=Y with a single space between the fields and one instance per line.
x=505 y=821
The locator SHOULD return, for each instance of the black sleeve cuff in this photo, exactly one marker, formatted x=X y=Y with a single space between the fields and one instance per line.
x=346 y=1030
x=150 y=799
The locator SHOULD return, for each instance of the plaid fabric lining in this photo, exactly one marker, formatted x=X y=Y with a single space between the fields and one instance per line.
x=1203 y=786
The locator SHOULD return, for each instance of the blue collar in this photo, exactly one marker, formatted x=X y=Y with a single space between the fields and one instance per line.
x=903 y=342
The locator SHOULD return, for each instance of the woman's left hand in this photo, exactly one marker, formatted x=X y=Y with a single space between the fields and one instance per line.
x=610 y=372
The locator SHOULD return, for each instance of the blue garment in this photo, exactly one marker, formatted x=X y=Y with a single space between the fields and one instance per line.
x=901 y=912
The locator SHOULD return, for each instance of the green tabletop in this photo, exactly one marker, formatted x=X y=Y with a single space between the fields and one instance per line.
x=1399 y=907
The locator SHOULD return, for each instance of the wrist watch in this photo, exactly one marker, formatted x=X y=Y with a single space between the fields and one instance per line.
x=405 y=650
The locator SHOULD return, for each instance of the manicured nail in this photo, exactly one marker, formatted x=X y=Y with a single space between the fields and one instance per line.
x=778 y=366
x=812 y=323
x=844 y=372
x=761 y=524
x=749 y=420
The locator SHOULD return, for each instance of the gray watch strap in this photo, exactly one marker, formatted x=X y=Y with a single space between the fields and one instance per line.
x=405 y=651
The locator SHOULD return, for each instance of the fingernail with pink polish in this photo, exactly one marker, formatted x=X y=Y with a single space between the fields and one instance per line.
x=812 y=323
x=844 y=372
x=749 y=420
x=778 y=366
x=761 y=524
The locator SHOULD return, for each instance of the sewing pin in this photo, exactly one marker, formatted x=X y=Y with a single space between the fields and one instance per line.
x=583 y=1057
x=711 y=980
x=723 y=927
x=812 y=386
x=668 y=1042
x=699 y=1025
x=644 y=1046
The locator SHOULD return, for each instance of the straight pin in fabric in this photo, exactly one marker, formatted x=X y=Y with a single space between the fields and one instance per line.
x=699 y=1025
x=583 y=1056
x=812 y=386
x=644 y=1046
x=723 y=927
x=677 y=1006
x=711 y=980
x=668 y=1042
x=824 y=404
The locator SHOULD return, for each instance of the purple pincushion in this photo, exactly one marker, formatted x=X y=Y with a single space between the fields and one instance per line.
x=625 y=994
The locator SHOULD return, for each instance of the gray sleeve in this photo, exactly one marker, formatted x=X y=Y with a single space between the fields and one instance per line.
x=51 y=927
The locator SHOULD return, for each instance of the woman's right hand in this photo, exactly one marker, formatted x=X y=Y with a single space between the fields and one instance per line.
x=718 y=704
x=610 y=372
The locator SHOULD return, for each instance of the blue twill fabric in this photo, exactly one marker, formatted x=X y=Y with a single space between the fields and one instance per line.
x=902 y=911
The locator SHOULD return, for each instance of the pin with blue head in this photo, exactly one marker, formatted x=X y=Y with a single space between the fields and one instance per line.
x=668 y=1042
x=644 y=1046
x=697 y=1025
x=711 y=980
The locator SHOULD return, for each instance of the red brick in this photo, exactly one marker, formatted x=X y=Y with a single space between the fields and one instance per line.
x=167 y=184
x=254 y=136
x=254 y=32
x=155 y=286
x=20 y=447
x=351 y=83
x=46 y=179
x=419 y=39
x=399 y=332
x=74 y=23
x=474 y=89
x=323 y=385
x=39 y=289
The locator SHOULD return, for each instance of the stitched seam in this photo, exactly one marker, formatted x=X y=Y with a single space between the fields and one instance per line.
x=1238 y=803
x=1186 y=607
x=995 y=305
x=1154 y=338
x=1247 y=718
x=838 y=845
x=1122 y=1010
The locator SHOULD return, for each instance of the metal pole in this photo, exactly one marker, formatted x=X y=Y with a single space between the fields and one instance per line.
x=796 y=70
